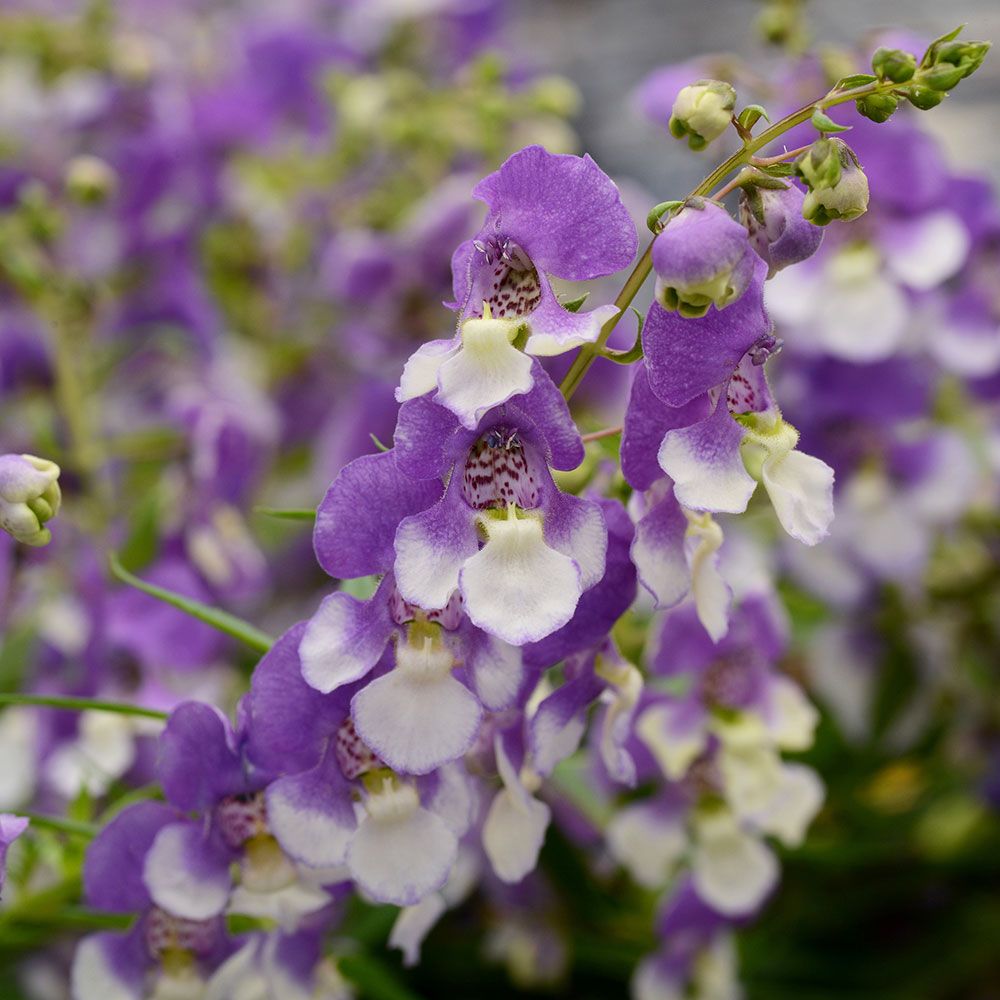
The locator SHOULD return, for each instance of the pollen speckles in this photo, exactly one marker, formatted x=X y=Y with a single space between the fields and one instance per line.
x=353 y=755
x=497 y=472
x=241 y=817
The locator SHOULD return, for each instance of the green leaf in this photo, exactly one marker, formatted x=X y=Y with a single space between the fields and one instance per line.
x=634 y=353
x=779 y=169
x=72 y=704
x=374 y=979
x=215 y=617
x=657 y=212
x=928 y=57
x=822 y=122
x=752 y=114
x=573 y=305
x=287 y=513
x=856 y=80
x=378 y=444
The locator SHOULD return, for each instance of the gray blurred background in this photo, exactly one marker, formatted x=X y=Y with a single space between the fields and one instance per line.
x=608 y=46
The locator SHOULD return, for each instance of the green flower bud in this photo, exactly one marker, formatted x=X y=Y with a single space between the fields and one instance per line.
x=90 y=180
x=780 y=23
x=952 y=62
x=29 y=496
x=877 y=107
x=924 y=98
x=845 y=196
x=702 y=112
x=819 y=166
x=942 y=77
x=894 y=64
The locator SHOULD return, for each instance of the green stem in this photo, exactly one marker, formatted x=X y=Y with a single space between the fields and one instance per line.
x=61 y=825
x=215 y=617
x=80 y=704
x=590 y=352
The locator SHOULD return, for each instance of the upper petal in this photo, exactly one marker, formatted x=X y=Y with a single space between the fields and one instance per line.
x=563 y=210
x=357 y=519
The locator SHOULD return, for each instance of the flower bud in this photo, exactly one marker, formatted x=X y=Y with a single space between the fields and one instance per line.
x=778 y=232
x=838 y=187
x=924 y=98
x=877 y=107
x=702 y=112
x=29 y=496
x=820 y=165
x=702 y=258
x=89 y=180
x=894 y=64
x=946 y=63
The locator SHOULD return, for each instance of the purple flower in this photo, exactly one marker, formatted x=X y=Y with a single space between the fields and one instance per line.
x=778 y=232
x=549 y=214
x=114 y=880
x=543 y=548
x=702 y=258
x=731 y=433
x=400 y=844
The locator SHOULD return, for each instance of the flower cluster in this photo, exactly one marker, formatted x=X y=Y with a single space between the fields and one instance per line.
x=537 y=655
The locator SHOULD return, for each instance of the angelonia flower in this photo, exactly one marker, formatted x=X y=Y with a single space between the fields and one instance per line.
x=549 y=215
x=779 y=232
x=29 y=497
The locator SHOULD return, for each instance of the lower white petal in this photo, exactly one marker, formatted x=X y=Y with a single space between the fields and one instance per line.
x=513 y=834
x=863 y=321
x=793 y=806
x=413 y=924
x=927 y=250
x=485 y=372
x=732 y=870
x=793 y=717
x=516 y=587
x=673 y=738
x=418 y=716
x=801 y=490
x=401 y=852
x=646 y=842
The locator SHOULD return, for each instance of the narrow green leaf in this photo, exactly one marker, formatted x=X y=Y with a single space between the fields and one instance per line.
x=822 y=122
x=378 y=444
x=573 y=305
x=856 y=80
x=61 y=825
x=634 y=353
x=80 y=704
x=287 y=513
x=929 y=55
x=656 y=213
x=216 y=617
x=779 y=169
